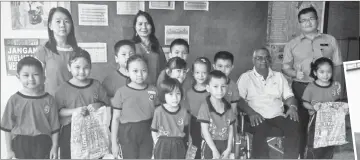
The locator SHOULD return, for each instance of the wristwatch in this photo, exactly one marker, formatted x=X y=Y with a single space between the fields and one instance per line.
x=293 y=107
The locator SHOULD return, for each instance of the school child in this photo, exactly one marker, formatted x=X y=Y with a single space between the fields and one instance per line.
x=224 y=62
x=178 y=48
x=170 y=122
x=31 y=116
x=116 y=79
x=134 y=106
x=322 y=89
x=77 y=94
x=55 y=54
x=216 y=118
x=112 y=82
x=195 y=96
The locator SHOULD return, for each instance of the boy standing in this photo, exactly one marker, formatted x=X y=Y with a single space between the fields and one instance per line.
x=224 y=62
x=217 y=119
x=31 y=116
x=123 y=50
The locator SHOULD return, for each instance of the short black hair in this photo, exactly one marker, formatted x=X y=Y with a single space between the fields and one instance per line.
x=121 y=43
x=315 y=66
x=176 y=63
x=215 y=74
x=136 y=57
x=29 y=61
x=80 y=53
x=308 y=10
x=166 y=86
x=180 y=41
x=225 y=55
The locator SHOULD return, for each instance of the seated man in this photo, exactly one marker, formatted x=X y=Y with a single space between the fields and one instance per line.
x=264 y=91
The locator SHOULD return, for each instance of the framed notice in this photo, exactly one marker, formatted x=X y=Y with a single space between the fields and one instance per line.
x=16 y=49
x=129 y=7
x=196 y=5
x=169 y=5
x=96 y=50
x=93 y=15
x=174 y=32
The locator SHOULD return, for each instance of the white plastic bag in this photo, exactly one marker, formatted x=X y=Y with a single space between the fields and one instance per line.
x=330 y=124
x=89 y=135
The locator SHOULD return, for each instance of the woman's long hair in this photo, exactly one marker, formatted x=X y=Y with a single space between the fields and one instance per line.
x=154 y=42
x=71 y=40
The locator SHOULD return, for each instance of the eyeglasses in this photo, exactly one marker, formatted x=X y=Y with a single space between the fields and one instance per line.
x=311 y=19
x=261 y=58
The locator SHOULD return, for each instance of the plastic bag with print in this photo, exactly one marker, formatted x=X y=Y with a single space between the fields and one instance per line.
x=90 y=135
x=330 y=124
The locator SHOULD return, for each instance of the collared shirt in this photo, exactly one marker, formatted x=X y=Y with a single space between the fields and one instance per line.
x=265 y=96
x=301 y=51
x=219 y=123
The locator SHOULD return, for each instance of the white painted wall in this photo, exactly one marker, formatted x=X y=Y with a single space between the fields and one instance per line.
x=10 y=84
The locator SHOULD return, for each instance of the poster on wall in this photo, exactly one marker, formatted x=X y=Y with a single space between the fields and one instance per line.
x=97 y=51
x=196 y=5
x=16 y=49
x=169 y=5
x=93 y=15
x=129 y=7
x=174 y=32
x=31 y=15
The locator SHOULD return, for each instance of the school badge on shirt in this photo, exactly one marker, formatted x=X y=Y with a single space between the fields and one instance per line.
x=46 y=109
x=180 y=122
x=337 y=89
x=152 y=95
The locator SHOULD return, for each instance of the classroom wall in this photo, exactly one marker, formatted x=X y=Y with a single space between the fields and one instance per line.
x=238 y=27
x=342 y=28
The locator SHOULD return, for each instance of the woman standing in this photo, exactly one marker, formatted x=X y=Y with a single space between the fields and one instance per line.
x=148 y=45
x=56 y=52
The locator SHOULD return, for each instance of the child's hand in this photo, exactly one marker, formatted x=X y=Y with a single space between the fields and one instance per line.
x=94 y=106
x=216 y=154
x=84 y=111
x=10 y=155
x=53 y=153
x=225 y=154
x=115 y=150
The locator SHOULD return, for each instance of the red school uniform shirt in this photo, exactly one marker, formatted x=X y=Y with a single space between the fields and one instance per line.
x=31 y=115
x=219 y=123
x=136 y=104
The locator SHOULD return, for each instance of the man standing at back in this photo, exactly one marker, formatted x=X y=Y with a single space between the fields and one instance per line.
x=300 y=52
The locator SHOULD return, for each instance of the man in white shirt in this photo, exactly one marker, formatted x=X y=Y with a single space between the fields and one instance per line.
x=265 y=92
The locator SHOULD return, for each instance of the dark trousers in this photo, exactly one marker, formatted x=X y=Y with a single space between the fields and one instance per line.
x=136 y=140
x=64 y=142
x=32 y=147
x=316 y=153
x=170 y=148
x=290 y=129
x=298 y=89
x=195 y=132
x=221 y=146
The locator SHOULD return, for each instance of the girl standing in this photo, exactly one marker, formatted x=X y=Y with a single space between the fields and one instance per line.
x=196 y=95
x=134 y=106
x=147 y=45
x=170 y=122
x=77 y=94
x=58 y=49
x=322 y=89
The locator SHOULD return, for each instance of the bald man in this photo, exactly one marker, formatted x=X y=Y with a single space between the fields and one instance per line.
x=266 y=91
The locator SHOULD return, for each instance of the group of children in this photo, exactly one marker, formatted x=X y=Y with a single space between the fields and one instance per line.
x=184 y=107
x=148 y=120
